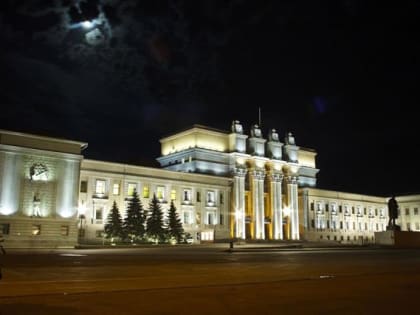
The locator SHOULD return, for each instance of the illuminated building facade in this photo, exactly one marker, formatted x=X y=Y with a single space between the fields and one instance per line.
x=224 y=184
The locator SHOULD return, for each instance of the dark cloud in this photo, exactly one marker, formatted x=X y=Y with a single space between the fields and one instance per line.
x=341 y=75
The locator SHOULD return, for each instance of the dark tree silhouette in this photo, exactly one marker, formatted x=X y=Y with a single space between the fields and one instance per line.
x=134 y=220
x=174 y=228
x=155 y=227
x=113 y=227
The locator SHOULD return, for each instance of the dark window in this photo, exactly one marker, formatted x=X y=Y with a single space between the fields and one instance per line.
x=313 y=223
x=326 y=208
x=221 y=219
x=83 y=186
x=312 y=206
x=198 y=196
x=352 y=210
x=328 y=224
x=364 y=211
x=341 y=224
x=221 y=198
x=5 y=228
x=340 y=209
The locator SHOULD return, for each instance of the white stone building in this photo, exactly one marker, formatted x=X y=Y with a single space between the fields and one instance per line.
x=225 y=185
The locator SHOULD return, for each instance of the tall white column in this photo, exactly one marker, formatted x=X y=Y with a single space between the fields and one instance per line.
x=292 y=195
x=239 y=202
x=276 y=205
x=67 y=188
x=258 y=202
x=10 y=183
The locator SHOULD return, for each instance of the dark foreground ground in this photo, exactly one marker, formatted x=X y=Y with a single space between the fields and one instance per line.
x=210 y=280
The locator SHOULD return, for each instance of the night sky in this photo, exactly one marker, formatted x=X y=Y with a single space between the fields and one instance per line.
x=343 y=76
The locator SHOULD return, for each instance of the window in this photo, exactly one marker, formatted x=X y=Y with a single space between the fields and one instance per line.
x=198 y=196
x=5 y=228
x=352 y=210
x=211 y=218
x=417 y=226
x=416 y=211
x=100 y=187
x=376 y=212
x=341 y=225
x=312 y=206
x=221 y=219
x=340 y=209
x=64 y=230
x=160 y=192
x=377 y=227
x=186 y=195
x=99 y=233
x=173 y=194
x=145 y=191
x=131 y=187
x=347 y=225
x=210 y=197
x=186 y=217
x=116 y=189
x=221 y=198
x=366 y=226
x=408 y=226
x=313 y=223
x=364 y=211
x=83 y=186
x=99 y=212
x=407 y=211
x=36 y=229
x=326 y=207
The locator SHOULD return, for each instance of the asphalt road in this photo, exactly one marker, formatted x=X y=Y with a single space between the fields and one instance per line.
x=211 y=280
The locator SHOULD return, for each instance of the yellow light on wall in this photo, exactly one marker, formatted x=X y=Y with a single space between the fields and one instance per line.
x=286 y=211
x=240 y=161
x=259 y=163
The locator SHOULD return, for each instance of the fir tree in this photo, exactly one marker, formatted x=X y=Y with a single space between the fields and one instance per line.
x=174 y=228
x=154 y=227
x=113 y=227
x=135 y=218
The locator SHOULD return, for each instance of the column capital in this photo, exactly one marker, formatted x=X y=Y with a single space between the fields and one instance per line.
x=239 y=171
x=276 y=176
x=258 y=173
x=292 y=179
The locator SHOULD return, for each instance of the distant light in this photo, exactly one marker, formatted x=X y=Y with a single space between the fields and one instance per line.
x=87 y=24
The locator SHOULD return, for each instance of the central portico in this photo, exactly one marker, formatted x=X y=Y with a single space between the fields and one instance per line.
x=265 y=175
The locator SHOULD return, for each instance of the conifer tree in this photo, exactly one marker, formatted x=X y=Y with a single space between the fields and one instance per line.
x=134 y=220
x=174 y=228
x=113 y=226
x=154 y=226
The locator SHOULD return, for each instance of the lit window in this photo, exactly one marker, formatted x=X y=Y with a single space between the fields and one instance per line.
x=186 y=195
x=130 y=188
x=36 y=229
x=100 y=187
x=145 y=191
x=211 y=218
x=64 y=230
x=116 y=189
x=173 y=194
x=186 y=217
x=210 y=197
x=160 y=192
